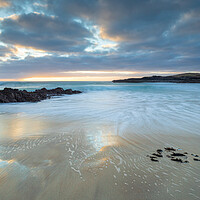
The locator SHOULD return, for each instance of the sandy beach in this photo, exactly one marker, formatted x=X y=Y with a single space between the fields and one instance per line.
x=71 y=166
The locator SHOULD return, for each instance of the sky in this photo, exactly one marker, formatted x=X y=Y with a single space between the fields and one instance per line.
x=97 y=40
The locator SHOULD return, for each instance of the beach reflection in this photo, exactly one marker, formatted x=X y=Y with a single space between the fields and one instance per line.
x=15 y=126
x=102 y=138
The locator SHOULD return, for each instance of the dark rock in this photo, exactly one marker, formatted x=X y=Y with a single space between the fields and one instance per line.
x=186 y=161
x=154 y=160
x=69 y=91
x=194 y=155
x=177 y=160
x=153 y=157
x=185 y=152
x=177 y=154
x=156 y=154
x=196 y=159
x=170 y=149
x=8 y=95
x=159 y=151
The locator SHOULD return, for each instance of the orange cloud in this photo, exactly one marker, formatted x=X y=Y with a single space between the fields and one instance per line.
x=24 y=51
x=14 y=17
x=4 y=4
x=105 y=36
x=18 y=46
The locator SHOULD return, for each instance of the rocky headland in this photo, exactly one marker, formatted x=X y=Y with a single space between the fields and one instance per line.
x=179 y=78
x=9 y=95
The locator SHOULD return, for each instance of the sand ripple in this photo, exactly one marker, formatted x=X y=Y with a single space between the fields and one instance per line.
x=74 y=166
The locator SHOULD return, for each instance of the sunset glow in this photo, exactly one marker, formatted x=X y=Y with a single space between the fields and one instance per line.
x=83 y=78
x=95 y=75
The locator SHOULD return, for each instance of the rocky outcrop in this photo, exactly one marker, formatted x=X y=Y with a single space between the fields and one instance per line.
x=179 y=78
x=8 y=95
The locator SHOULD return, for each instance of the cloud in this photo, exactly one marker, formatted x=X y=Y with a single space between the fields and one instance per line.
x=44 y=32
x=55 y=66
x=66 y=35
x=4 y=4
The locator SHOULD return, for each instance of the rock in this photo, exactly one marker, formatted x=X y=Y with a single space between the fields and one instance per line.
x=156 y=154
x=8 y=95
x=177 y=160
x=196 y=159
x=69 y=91
x=154 y=160
x=170 y=149
x=159 y=151
x=177 y=154
x=194 y=155
x=153 y=157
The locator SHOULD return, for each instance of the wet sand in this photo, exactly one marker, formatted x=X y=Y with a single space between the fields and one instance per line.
x=78 y=166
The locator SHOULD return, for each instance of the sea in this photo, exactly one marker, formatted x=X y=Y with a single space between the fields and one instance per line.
x=164 y=108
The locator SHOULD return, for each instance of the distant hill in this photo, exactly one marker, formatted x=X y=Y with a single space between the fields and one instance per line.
x=179 y=78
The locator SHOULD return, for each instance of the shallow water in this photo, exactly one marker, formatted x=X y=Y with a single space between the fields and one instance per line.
x=94 y=145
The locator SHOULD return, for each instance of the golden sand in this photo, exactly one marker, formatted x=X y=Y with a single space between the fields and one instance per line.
x=82 y=167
